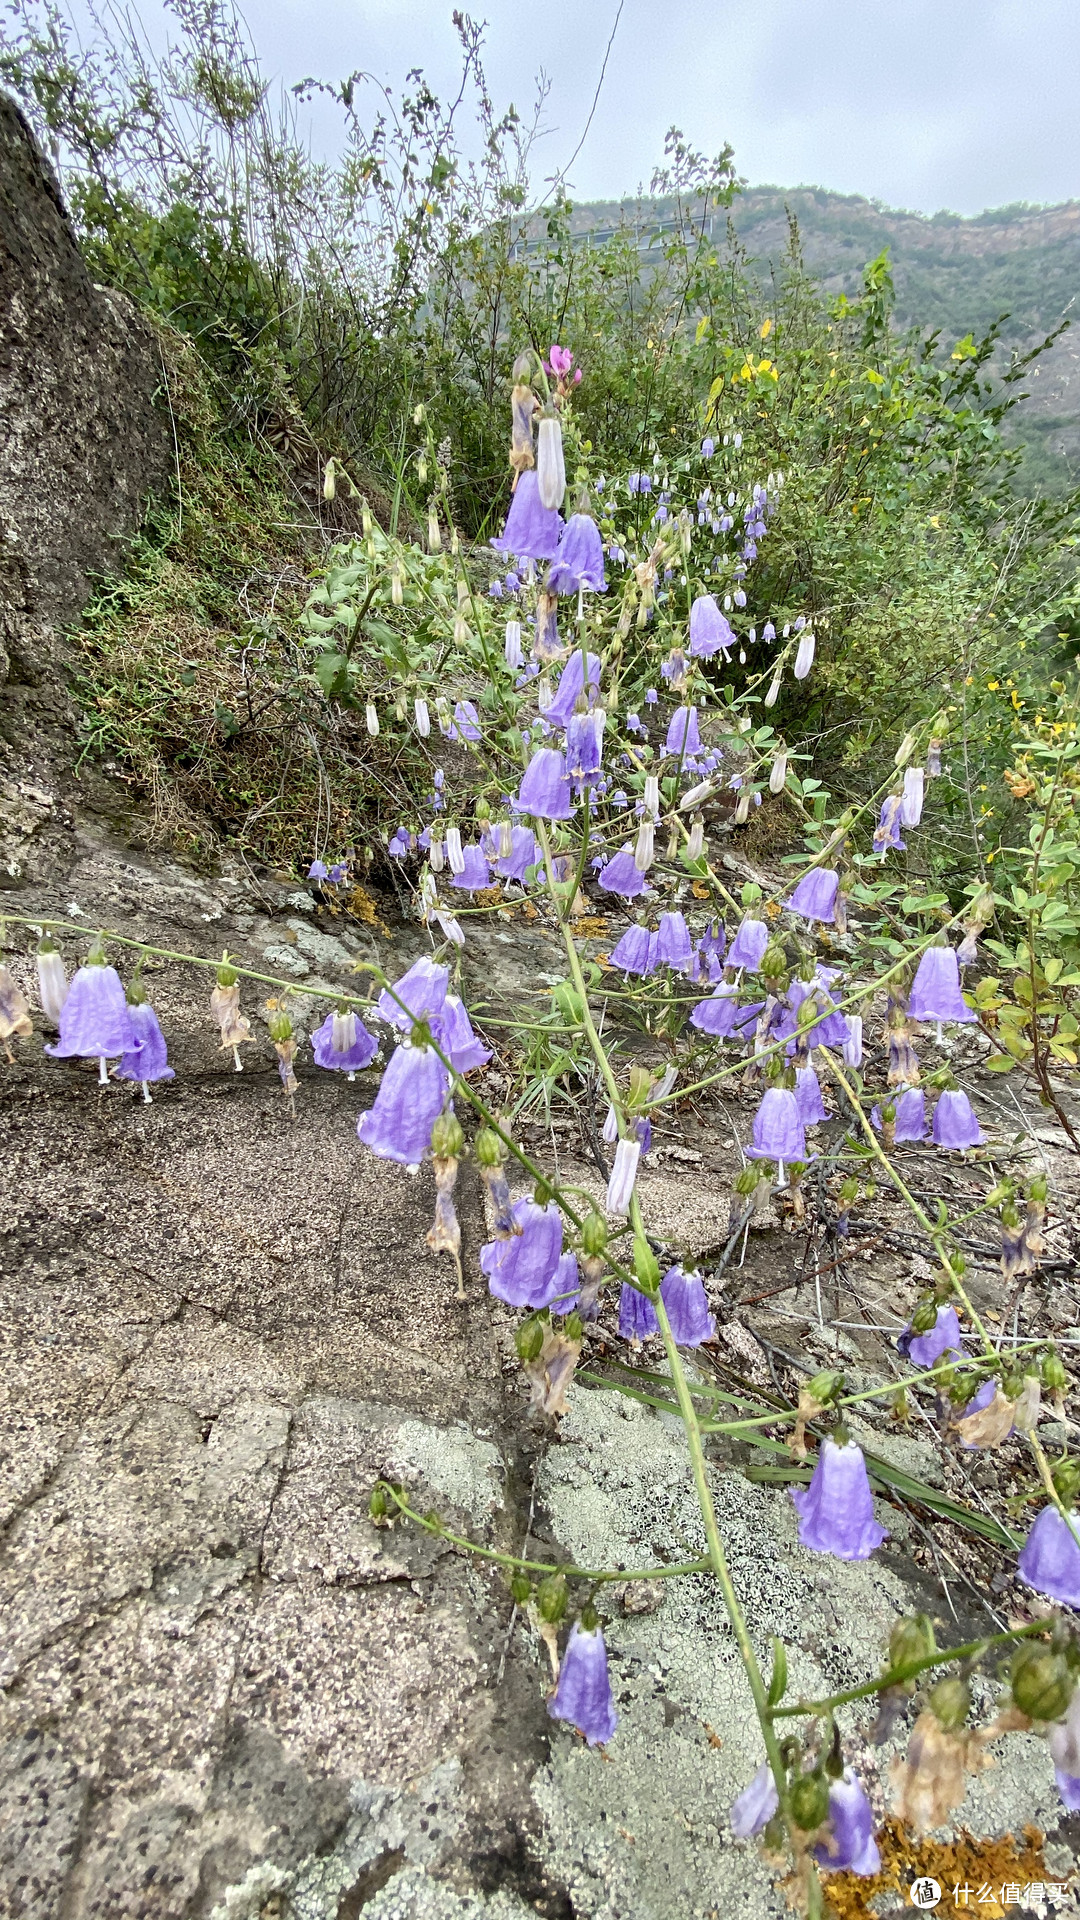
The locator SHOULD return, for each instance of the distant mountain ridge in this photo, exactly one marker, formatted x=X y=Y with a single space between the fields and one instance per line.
x=953 y=273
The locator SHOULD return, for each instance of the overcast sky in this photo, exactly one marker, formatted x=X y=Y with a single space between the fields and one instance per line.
x=963 y=104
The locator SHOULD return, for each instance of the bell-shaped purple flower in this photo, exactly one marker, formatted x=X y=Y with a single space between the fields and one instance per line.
x=148 y=1058
x=583 y=1695
x=95 y=1019
x=318 y=870
x=570 y=688
x=709 y=629
x=475 y=874
x=687 y=1309
x=756 y=1804
x=849 y=1846
x=565 y=1290
x=585 y=745
x=815 y=895
x=411 y=1096
x=637 y=1315
x=524 y=853
x=453 y=1030
x=836 y=1511
x=422 y=990
x=673 y=948
x=778 y=1130
x=1064 y=1744
x=910 y=1106
x=926 y=1349
x=545 y=786
x=343 y=1044
x=888 y=827
x=1050 y=1558
x=621 y=875
x=579 y=561
x=532 y=530
x=935 y=991
x=956 y=1125
x=521 y=1271
x=683 y=738
x=749 y=945
x=812 y=1108
x=634 y=953
x=711 y=947
x=717 y=1015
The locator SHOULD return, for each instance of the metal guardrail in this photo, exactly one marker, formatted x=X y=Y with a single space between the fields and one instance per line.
x=647 y=237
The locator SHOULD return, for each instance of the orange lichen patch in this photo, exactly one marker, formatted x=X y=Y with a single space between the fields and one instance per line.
x=989 y=1869
x=361 y=905
x=699 y=892
x=591 y=927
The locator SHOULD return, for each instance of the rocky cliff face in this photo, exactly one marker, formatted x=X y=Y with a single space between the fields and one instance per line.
x=86 y=437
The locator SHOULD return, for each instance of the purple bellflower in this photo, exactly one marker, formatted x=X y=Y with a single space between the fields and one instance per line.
x=836 y=1511
x=318 y=870
x=637 y=1315
x=454 y=1032
x=815 y=895
x=343 y=1044
x=410 y=1099
x=749 y=945
x=849 y=1846
x=565 y=1292
x=579 y=561
x=935 y=991
x=778 y=1130
x=585 y=745
x=1050 y=1558
x=523 y=854
x=570 y=688
x=717 y=1015
x=622 y=876
x=521 y=1271
x=583 y=1695
x=683 y=738
x=1064 y=1744
x=532 y=530
x=926 y=1349
x=910 y=1106
x=475 y=874
x=888 y=827
x=545 y=786
x=756 y=1804
x=808 y=1098
x=687 y=1309
x=422 y=990
x=633 y=952
x=95 y=1019
x=709 y=630
x=673 y=947
x=956 y=1125
x=148 y=1058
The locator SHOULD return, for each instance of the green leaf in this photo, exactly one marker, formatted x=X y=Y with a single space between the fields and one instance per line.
x=999 y=1063
x=332 y=673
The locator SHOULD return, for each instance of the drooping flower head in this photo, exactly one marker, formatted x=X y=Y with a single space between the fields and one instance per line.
x=420 y=992
x=95 y=1020
x=1050 y=1558
x=935 y=991
x=545 y=786
x=453 y=1030
x=411 y=1096
x=926 y=1349
x=710 y=631
x=622 y=875
x=849 y=1845
x=836 y=1511
x=687 y=1309
x=887 y=835
x=717 y=1015
x=579 y=561
x=475 y=875
x=812 y=1108
x=815 y=895
x=673 y=948
x=778 y=1130
x=635 y=952
x=532 y=530
x=637 y=1315
x=683 y=738
x=956 y=1125
x=52 y=979
x=523 y=1270
x=570 y=688
x=550 y=462
x=583 y=1695
x=756 y=1804
x=748 y=947
x=147 y=1059
x=343 y=1044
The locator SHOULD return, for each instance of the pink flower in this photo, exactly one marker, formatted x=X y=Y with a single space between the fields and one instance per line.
x=560 y=360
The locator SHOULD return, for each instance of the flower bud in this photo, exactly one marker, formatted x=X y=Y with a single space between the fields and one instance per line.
x=520 y=1587
x=574 y=1328
x=594 y=1236
x=372 y=718
x=528 y=1339
x=1054 y=1377
x=434 y=537
x=778 y=773
x=950 y=1703
x=911 y=1640
x=924 y=1316
x=423 y=718
x=488 y=1148
x=646 y=1265
x=447 y=1137
x=397 y=590
x=1042 y=1684
x=809 y=1801
x=825 y=1387
x=329 y=485
x=377 y=1503
x=551 y=1598
x=279 y=1027
x=905 y=750
x=695 y=843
